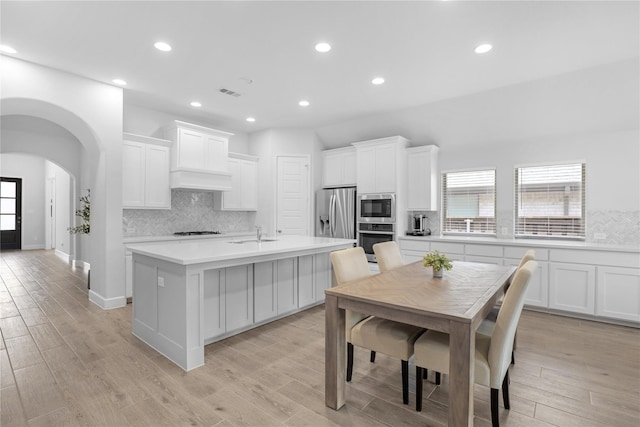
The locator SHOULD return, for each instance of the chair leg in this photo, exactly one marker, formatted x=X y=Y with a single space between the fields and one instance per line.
x=419 y=376
x=513 y=358
x=505 y=391
x=437 y=378
x=426 y=373
x=495 y=422
x=405 y=382
x=373 y=356
x=349 y=361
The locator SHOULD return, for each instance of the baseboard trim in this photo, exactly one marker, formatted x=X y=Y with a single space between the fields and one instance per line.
x=77 y=263
x=62 y=255
x=31 y=247
x=107 y=303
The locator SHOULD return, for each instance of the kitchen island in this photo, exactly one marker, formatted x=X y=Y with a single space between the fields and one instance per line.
x=187 y=295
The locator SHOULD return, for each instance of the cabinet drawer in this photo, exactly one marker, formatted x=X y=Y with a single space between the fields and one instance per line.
x=617 y=259
x=484 y=250
x=412 y=256
x=413 y=245
x=517 y=252
x=483 y=259
x=448 y=248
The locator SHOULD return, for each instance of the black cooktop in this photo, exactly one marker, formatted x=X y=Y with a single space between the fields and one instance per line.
x=195 y=233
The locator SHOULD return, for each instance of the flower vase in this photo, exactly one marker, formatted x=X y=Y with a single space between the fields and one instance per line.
x=437 y=273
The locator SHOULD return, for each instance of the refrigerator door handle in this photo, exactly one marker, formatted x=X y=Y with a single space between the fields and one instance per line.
x=332 y=215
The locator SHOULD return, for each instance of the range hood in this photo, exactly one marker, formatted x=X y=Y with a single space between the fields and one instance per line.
x=200 y=180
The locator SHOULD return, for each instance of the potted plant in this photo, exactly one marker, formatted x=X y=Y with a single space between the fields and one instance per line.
x=438 y=261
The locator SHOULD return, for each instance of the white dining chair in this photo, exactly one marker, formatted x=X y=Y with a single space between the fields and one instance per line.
x=489 y=323
x=372 y=333
x=387 y=255
x=492 y=353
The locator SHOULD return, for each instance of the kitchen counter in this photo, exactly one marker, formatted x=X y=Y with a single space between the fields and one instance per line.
x=238 y=250
x=190 y=293
x=173 y=238
x=531 y=243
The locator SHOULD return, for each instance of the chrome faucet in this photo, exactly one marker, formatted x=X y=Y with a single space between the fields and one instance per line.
x=259 y=233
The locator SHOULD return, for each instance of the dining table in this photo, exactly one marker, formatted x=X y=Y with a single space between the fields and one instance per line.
x=455 y=304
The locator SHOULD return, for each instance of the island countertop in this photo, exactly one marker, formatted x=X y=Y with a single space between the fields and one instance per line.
x=242 y=249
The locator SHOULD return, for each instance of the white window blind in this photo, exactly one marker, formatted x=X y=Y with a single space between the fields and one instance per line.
x=550 y=201
x=469 y=202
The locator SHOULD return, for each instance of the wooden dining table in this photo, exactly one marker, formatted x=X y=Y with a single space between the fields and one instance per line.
x=455 y=304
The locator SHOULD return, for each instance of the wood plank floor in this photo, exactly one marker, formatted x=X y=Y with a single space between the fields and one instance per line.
x=64 y=361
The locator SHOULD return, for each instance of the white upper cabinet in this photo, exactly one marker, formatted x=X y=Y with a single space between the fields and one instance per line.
x=145 y=173
x=379 y=163
x=422 y=178
x=339 y=167
x=243 y=195
x=199 y=157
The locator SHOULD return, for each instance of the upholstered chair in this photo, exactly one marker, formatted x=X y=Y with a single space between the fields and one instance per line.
x=488 y=324
x=387 y=255
x=492 y=354
x=369 y=332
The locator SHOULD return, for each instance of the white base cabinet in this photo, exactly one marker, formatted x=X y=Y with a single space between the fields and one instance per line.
x=618 y=293
x=572 y=287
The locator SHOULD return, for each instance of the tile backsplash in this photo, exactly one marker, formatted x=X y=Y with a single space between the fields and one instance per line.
x=619 y=228
x=190 y=211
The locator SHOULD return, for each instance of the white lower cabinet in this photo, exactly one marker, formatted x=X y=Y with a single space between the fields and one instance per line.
x=618 y=293
x=228 y=299
x=306 y=291
x=265 y=291
x=287 y=284
x=538 y=288
x=321 y=275
x=412 y=250
x=572 y=287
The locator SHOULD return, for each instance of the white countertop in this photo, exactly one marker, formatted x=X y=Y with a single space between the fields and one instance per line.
x=548 y=243
x=220 y=249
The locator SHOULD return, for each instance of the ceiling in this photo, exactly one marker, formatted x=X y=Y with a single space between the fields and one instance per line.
x=265 y=51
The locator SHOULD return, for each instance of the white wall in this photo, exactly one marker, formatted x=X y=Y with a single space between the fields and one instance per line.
x=270 y=144
x=64 y=209
x=92 y=112
x=144 y=121
x=31 y=170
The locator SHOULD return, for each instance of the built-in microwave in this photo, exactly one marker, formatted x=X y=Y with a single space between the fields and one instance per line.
x=380 y=208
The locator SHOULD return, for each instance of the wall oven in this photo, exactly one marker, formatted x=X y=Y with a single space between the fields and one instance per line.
x=378 y=208
x=371 y=233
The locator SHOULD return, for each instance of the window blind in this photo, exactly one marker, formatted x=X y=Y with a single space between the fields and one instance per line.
x=550 y=201
x=469 y=202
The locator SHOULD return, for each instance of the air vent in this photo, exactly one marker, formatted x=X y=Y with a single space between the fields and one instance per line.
x=229 y=92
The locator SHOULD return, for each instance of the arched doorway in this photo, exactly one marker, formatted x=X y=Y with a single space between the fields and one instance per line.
x=92 y=113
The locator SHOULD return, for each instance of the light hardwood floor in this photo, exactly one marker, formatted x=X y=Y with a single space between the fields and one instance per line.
x=64 y=361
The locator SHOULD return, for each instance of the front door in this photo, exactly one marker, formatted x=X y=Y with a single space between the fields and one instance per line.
x=293 y=202
x=10 y=213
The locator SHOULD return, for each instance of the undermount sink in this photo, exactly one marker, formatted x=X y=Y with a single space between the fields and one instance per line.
x=264 y=239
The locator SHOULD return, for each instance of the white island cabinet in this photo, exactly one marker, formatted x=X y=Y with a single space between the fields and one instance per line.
x=189 y=294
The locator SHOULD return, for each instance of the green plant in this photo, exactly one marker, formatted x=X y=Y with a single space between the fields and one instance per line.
x=438 y=261
x=85 y=213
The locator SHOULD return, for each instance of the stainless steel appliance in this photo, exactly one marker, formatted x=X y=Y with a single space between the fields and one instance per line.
x=418 y=225
x=370 y=233
x=336 y=213
x=378 y=208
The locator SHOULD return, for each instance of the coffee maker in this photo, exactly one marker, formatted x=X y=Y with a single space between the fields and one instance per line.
x=418 y=225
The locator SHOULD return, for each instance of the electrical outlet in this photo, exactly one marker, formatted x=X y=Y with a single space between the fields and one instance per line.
x=161 y=281
x=599 y=236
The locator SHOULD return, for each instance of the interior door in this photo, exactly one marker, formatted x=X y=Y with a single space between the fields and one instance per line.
x=293 y=200
x=10 y=213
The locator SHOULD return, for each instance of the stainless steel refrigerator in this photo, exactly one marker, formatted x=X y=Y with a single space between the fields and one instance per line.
x=336 y=213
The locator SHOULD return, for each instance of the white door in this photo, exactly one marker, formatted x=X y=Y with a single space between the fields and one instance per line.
x=293 y=202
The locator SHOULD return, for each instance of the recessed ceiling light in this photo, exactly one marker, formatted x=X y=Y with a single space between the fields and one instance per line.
x=119 y=82
x=196 y=104
x=483 y=48
x=7 y=49
x=162 y=46
x=377 y=81
x=303 y=103
x=323 y=47
x=251 y=119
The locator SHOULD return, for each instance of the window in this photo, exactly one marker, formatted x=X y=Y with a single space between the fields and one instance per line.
x=469 y=202
x=550 y=201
